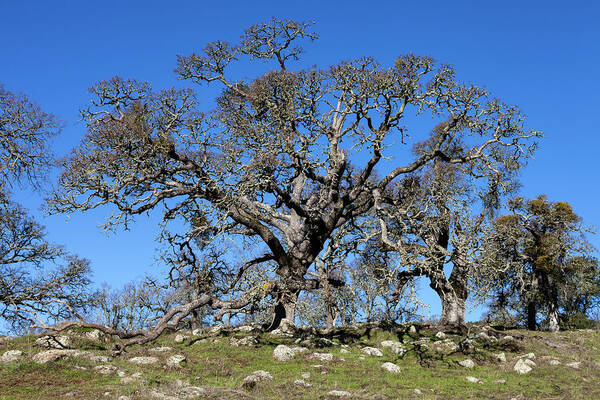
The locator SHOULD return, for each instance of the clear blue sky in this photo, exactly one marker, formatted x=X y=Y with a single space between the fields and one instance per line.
x=541 y=55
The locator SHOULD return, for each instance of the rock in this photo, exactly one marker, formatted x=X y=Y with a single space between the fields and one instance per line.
x=283 y=353
x=96 y=358
x=245 y=328
x=417 y=391
x=391 y=367
x=305 y=375
x=175 y=360
x=500 y=381
x=245 y=341
x=105 y=369
x=468 y=363
x=11 y=356
x=286 y=329
x=321 y=356
x=446 y=346
x=257 y=376
x=412 y=331
x=440 y=335
x=94 y=334
x=5 y=339
x=48 y=356
x=361 y=358
x=395 y=347
x=372 y=351
x=530 y=356
x=215 y=330
x=574 y=364
x=300 y=382
x=522 y=367
x=143 y=360
x=554 y=362
x=339 y=394
x=54 y=342
x=162 y=349
x=129 y=379
x=299 y=350
x=197 y=332
x=323 y=342
x=472 y=379
x=179 y=338
x=344 y=351
x=500 y=357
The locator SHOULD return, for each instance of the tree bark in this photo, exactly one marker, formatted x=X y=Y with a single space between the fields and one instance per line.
x=531 y=316
x=285 y=308
x=453 y=310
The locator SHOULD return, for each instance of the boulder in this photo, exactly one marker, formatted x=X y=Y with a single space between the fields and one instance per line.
x=394 y=346
x=340 y=394
x=11 y=356
x=257 y=376
x=143 y=360
x=523 y=367
x=468 y=363
x=321 y=356
x=175 y=360
x=162 y=349
x=54 y=342
x=574 y=364
x=372 y=351
x=283 y=353
x=500 y=357
x=440 y=335
x=179 y=338
x=391 y=367
x=446 y=346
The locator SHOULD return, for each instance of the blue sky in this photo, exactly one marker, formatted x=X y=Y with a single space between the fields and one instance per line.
x=543 y=56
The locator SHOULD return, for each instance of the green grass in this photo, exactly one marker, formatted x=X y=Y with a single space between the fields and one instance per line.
x=221 y=369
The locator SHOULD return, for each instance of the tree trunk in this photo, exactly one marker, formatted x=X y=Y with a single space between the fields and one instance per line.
x=531 y=316
x=453 y=310
x=285 y=308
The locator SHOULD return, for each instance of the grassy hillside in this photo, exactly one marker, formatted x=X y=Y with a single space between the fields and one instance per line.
x=216 y=365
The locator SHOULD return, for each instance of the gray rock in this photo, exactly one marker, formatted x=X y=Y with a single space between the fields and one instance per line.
x=372 y=351
x=391 y=367
x=574 y=364
x=175 y=360
x=179 y=338
x=283 y=353
x=468 y=363
x=472 y=379
x=143 y=360
x=394 y=346
x=344 y=351
x=305 y=375
x=321 y=356
x=417 y=391
x=299 y=350
x=257 y=376
x=500 y=357
x=245 y=341
x=95 y=358
x=554 y=362
x=11 y=356
x=105 y=369
x=94 y=334
x=522 y=367
x=412 y=330
x=339 y=394
x=53 y=355
x=446 y=346
x=162 y=349
x=245 y=328
x=530 y=356
x=302 y=383
x=54 y=342
x=440 y=335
